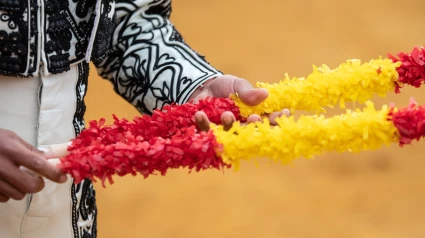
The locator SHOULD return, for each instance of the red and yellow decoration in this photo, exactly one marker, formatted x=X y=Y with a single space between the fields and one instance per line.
x=169 y=139
x=351 y=81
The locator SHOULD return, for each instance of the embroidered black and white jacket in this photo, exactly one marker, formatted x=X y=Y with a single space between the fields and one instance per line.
x=132 y=43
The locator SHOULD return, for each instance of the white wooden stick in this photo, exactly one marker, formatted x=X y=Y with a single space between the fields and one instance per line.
x=55 y=151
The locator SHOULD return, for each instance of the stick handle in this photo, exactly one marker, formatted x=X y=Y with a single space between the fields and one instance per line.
x=55 y=151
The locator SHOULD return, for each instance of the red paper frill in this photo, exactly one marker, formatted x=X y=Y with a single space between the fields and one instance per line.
x=412 y=68
x=409 y=121
x=172 y=118
x=148 y=145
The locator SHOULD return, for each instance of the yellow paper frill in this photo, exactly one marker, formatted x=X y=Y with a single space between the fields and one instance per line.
x=349 y=82
x=309 y=136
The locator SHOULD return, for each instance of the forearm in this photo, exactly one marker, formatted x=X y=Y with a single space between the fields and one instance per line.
x=150 y=65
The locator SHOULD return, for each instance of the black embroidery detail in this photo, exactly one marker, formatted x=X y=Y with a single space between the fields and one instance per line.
x=14 y=43
x=59 y=63
x=83 y=7
x=12 y=51
x=33 y=63
x=84 y=209
x=11 y=5
x=12 y=19
x=50 y=47
x=104 y=32
x=175 y=36
x=82 y=31
x=81 y=22
x=60 y=36
x=9 y=64
x=81 y=89
x=68 y=31
x=161 y=8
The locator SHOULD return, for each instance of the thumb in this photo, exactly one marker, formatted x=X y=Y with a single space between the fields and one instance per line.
x=249 y=95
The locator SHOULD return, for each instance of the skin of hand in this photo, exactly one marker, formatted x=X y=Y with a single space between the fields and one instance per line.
x=22 y=167
x=224 y=86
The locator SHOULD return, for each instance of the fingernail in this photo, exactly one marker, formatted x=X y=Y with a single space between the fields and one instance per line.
x=63 y=178
x=227 y=120
x=199 y=118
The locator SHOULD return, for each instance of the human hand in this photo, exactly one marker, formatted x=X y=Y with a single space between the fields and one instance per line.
x=17 y=157
x=224 y=86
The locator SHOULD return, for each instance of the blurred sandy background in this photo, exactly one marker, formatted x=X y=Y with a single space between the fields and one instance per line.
x=372 y=194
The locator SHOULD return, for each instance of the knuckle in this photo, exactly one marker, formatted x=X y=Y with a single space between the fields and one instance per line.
x=33 y=149
x=37 y=163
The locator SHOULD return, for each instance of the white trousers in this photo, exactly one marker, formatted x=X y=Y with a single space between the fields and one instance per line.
x=41 y=111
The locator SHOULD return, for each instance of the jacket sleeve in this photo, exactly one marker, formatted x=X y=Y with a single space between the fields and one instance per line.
x=149 y=63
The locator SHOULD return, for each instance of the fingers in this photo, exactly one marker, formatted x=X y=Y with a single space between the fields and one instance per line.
x=28 y=146
x=227 y=119
x=34 y=161
x=274 y=115
x=27 y=171
x=10 y=192
x=225 y=85
x=287 y=112
x=254 y=118
x=20 y=180
x=249 y=95
x=21 y=168
x=202 y=121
